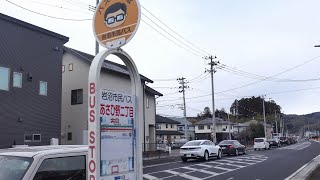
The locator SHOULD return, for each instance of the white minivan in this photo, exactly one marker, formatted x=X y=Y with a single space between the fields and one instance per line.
x=261 y=143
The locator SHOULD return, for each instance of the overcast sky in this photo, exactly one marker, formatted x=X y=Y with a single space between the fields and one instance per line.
x=259 y=37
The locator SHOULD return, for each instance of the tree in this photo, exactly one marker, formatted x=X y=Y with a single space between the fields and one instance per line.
x=205 y=114
x=221 y=113
x=256 y=130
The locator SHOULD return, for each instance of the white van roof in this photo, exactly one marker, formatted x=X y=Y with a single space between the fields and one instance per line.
x=45 y=150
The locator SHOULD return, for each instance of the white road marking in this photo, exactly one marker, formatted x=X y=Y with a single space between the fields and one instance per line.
x=226 y=169
x=182 y=175
x=147 y=176
x=161 y=164
x=211 y=164
x=299 y=146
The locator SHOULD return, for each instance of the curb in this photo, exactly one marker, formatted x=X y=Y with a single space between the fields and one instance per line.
x=305 y=171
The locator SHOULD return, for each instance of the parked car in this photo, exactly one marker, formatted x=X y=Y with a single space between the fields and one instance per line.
x=284 y=140
x=44 y=162
x=274 y=142
x=232 y=147
x=200 y=149
x=261 y=143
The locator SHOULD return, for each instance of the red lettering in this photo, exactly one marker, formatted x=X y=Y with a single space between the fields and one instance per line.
x=92 y=88
x=92 y=117
x=92 y=177
x=92 y=169
x=92 y=137
x=112 y=110
x=117 y=110
x=108 y=109
x=92 y=102
x=131 y=111
x=92 y=148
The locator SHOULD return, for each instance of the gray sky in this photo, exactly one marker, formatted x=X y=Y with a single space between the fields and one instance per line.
x=260 y=37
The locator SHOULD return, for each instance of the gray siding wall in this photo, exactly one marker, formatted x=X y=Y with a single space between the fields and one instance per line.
x=28 y=51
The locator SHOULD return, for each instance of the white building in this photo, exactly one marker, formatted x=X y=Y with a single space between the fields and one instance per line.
x=167 y=129
x=222 y=129
x=114 y=77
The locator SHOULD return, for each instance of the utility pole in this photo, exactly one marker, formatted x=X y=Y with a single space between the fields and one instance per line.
x=275 y=118
x=237 y=114
x=229 y=127
x=264 y=118
x=97 y=44
x=212 y=71
x=183 y=86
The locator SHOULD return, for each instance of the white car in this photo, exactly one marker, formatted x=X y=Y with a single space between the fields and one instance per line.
x=44 y=162
x=200 y=149
x=261 y=143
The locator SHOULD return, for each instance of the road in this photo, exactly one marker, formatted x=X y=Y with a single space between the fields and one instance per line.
x=275 y=164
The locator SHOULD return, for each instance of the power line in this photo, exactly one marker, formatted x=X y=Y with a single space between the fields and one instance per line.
x=174 y=31
x=268 y=77
x=171 y=35
x=259 y=77
x=168 y=38
x=171 y=79
x=60 y=7
x=66 y=19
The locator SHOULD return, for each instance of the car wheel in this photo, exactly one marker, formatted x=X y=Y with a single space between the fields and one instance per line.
x=184 y=159
x=255 y=149
x=237 y=152
x=206 y=156
x=244 y=151
x=219 y=154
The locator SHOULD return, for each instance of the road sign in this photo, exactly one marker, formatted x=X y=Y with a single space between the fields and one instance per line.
x=115 y=22
x=116 y=118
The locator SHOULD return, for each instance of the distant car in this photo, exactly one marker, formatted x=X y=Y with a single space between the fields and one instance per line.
x=274 y=142
x=232 y=147
x=261 y=143
x=44 y=162
x=284 y=140
x=200 y=149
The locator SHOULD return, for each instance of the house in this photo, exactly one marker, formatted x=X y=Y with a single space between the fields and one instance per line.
x=181 y=127
x=114 y=77
x=30 y=83
x=166 y=129
x=240 y=127
x=203 y=129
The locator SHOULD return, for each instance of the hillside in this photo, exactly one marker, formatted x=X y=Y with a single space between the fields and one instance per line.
x=295 y=123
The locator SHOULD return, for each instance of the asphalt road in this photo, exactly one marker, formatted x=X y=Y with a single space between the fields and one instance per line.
x=274 y=164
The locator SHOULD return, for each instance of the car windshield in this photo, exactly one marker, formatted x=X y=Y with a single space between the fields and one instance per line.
x=226 y=142
x=13 y=168
x=258 y=140
x=193 y=143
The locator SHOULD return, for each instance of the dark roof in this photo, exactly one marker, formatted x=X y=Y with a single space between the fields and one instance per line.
x=162 y=132
x=181 y=120
x=111 y=66
x=161 y=119
x=209 y=121
x=108 y=65
x=33 y=27
x=152 y=91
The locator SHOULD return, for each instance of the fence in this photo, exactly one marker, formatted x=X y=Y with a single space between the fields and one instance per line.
x=158 y=150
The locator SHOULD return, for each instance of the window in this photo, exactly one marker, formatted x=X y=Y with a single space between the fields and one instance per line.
x=17 y=79
x=201 y=127
x=12 y=167
x=43 y=88
x=147 y=102
x=27 y=138
x=208 y=127
x=71 y=67
x=226 y=127
x=63 y=68
x=166 y=125
x=180 y=128
x=37 y=137
x=171 y=126
x=174 y=137
x=4 y=78
x=62 y=168
x=69 y=136
x=76 y=96
x=158 y=126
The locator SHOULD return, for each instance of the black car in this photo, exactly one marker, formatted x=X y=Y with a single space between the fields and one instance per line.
x=232 y=147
